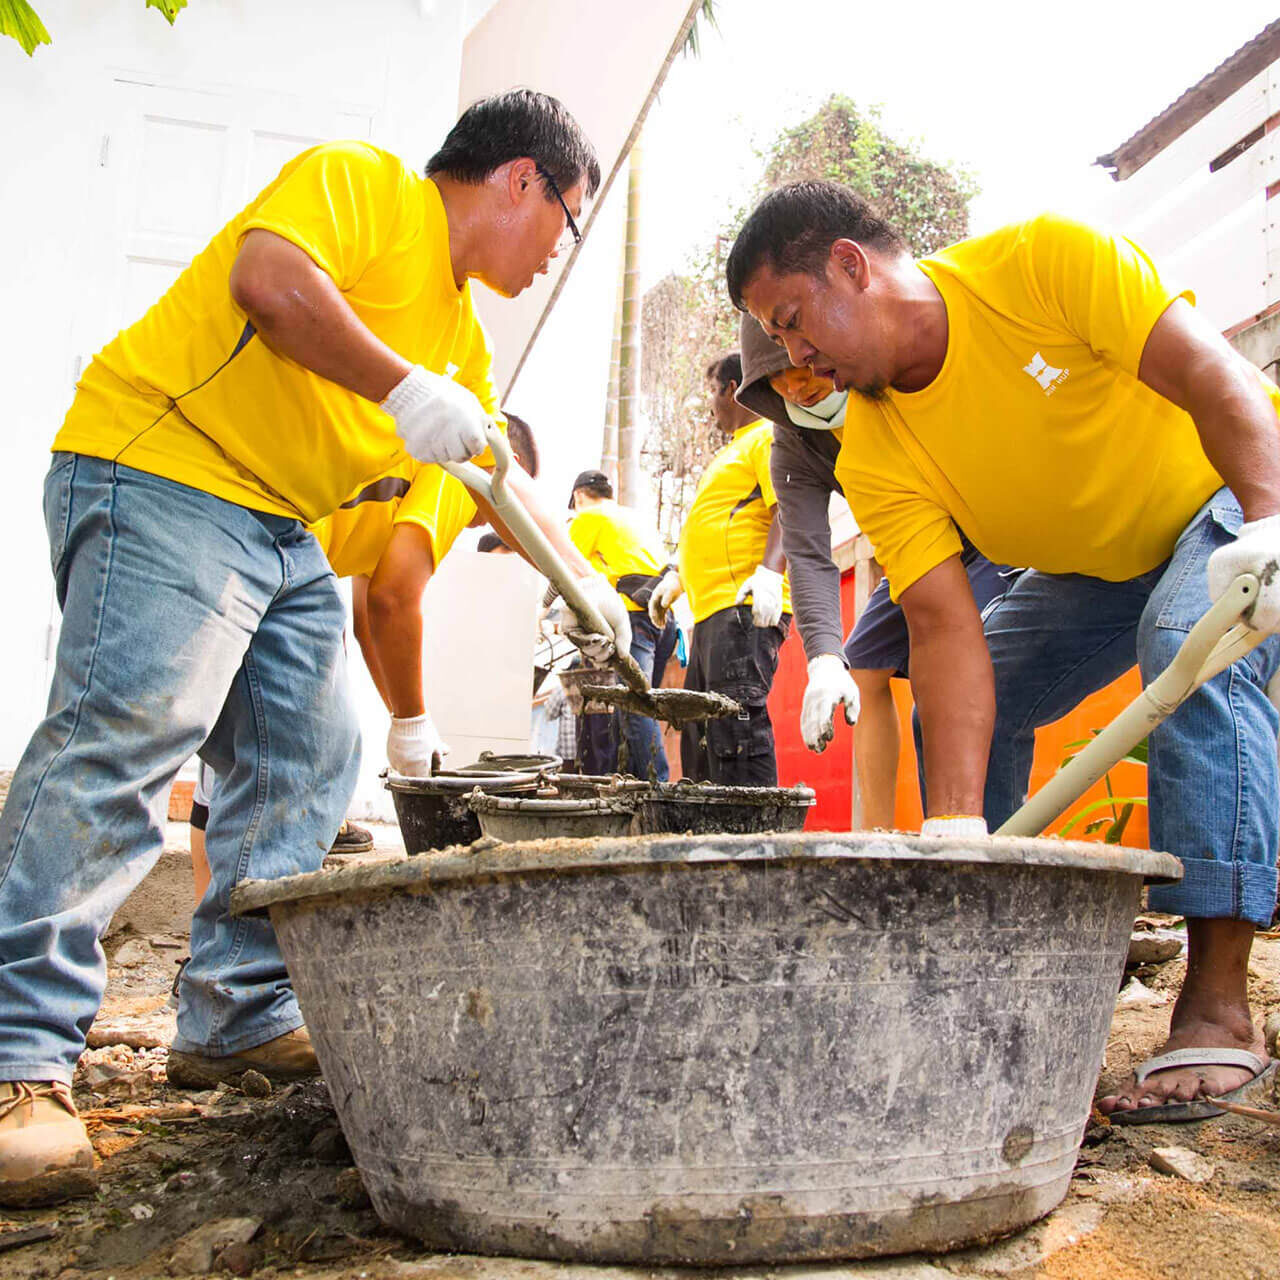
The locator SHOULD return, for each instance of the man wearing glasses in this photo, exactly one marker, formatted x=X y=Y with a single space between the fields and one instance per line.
x=323 y=335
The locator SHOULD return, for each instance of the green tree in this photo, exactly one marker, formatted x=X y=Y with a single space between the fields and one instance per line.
x=19 y=20
x=688 y=319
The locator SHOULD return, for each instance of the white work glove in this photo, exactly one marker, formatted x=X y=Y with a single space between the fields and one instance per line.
x=665 y=594
x=414 y=747
x=438 y=419
x=597 y=649
x=956 y=826
x=830 y=686
x=1256 y=550
x=765 y=589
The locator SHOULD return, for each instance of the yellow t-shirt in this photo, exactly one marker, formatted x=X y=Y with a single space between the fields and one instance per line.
x=1036 y=437
x=617 y=541
x=356 y=534
x=192 y=393
x=723 y=538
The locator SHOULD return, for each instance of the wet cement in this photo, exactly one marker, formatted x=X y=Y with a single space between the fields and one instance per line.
x=677 y=707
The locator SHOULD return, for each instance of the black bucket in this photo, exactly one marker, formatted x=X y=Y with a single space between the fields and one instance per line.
x=433 y=812
x=700 y=808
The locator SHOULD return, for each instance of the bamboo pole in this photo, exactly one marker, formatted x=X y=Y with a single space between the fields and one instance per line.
x=629 y=343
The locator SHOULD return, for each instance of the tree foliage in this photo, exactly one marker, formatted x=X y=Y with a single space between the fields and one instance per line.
x=19 y=20
x=687 y=319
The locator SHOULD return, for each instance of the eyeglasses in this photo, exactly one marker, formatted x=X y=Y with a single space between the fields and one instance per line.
x=568 y=217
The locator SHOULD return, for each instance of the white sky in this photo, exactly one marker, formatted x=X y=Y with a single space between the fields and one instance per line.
x=1024 y=95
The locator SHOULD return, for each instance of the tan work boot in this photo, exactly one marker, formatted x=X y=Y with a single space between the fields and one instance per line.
x=45 y=1153
x=287 y=1057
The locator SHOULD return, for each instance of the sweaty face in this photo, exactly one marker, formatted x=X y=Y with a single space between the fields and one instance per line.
x=532 y=232
x=801 y=386
x=826 y=322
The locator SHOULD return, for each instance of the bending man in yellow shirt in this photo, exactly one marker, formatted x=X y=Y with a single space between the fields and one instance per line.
x=731 y=548
x=1043 y=389
x=323 y=335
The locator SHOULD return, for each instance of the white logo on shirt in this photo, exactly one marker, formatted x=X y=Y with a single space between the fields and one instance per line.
x=1045 y=374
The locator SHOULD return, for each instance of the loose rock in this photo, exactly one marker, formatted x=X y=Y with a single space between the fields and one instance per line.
x=1271 y=1030
x=133 y=953
x=1152 y=948
x=1181 y=1163
x=350 y=1189
x=194 y=1252
x=255 y=1084
x=329 y=1146
x=241 y=1259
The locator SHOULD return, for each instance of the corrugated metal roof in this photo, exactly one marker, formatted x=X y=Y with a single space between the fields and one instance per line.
x=1195 y=104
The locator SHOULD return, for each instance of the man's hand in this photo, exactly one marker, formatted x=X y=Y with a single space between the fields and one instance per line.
x=596 y=648
x=1256 y=550
x=665 y=594
x=765 y=589
x=438 y=419
x=414 y=747
x=956 y=826
x=830 y=686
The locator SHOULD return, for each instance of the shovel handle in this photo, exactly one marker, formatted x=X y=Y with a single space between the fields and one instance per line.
x=1220 y=637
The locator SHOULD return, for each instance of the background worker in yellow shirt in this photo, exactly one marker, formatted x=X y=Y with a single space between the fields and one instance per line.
x=1043 y=388
x=618 y=542
x=731 y=548
x=326 y=332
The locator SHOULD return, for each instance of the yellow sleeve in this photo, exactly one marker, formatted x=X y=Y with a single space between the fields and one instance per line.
x=761 y=453
x=339 y=203
x=1102 y=288
x=584 y=532
x=439 y=504
x=910 y=531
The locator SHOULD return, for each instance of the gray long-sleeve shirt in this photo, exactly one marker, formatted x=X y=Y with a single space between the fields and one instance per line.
x=803 y=467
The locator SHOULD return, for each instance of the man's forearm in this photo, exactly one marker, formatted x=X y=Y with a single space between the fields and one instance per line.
x=396 y=629
x=774 y=557
x=300 y=313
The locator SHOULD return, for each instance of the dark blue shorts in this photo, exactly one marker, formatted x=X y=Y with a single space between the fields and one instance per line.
x=879 y=640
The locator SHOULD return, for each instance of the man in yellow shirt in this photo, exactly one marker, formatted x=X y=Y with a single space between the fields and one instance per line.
x=1042 y=389
x=731 y=548
x=326 y=332
x=615 y=540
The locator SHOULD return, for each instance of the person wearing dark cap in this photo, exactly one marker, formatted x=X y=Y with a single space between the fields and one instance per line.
x=808 y=416
x=624 y=547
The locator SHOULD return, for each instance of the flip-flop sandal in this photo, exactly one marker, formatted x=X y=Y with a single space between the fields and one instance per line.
x=1181 y=1112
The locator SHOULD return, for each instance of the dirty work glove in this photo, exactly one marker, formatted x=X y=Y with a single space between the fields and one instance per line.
x=665 y=594
x=830 y=686
x=956 y=826
x=438 y=419
x=414 y=747
x=1256 y=550
x=765 y=589
x=598 y=649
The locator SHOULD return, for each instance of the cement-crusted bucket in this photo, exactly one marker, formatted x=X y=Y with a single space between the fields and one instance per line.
x=721 y=1049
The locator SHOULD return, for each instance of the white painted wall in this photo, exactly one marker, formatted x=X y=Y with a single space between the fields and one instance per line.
x=195 y=118
x=1213 y=231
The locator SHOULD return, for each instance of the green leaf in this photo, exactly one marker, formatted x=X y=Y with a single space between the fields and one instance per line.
x=19 y=20
x=1116 y=834
x=170 y=8
x=1101 y=804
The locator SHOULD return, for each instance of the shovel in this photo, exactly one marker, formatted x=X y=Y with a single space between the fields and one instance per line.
x=1211 y=646
x=676 y=706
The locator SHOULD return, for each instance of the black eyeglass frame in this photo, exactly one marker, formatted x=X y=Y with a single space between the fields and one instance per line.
x=568 y=217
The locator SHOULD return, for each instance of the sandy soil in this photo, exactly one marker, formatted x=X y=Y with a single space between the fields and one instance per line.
x=172 y=1160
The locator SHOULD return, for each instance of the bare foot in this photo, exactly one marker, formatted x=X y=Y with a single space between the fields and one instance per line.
x=1212 y=1012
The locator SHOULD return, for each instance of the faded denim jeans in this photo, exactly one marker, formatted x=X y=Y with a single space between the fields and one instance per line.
x=1212 y=777
x=188 y=623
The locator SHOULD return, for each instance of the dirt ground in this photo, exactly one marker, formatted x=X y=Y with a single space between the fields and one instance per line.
x=271 y=1168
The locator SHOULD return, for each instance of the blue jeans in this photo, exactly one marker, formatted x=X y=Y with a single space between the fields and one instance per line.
x=1212 y=778
x=188 y=624
x=642 y=735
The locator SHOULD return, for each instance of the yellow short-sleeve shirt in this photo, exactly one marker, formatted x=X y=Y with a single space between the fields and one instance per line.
x=1037 y=437
x=356 y=534
x=192 y=393
x=618 y=542
x=725 y=531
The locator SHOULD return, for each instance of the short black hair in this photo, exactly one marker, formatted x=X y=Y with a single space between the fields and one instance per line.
x=726 y=369
x=490 y=541
x=596 y=483
x=523 y=445
x=793 y=228
x=515 y=124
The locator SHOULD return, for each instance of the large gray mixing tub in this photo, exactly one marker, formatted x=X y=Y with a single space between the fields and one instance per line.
x=733 y=1049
